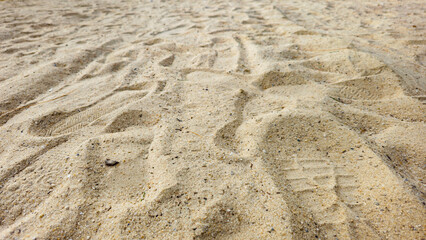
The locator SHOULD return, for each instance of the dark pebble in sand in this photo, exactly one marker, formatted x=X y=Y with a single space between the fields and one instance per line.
x=110 y=162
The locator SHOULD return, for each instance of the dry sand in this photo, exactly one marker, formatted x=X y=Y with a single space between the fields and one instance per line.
x=228 y=119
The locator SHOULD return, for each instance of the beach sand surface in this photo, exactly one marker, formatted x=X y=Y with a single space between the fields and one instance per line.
x=212 y=119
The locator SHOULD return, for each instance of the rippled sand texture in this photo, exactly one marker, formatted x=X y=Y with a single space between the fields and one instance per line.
x=229 y=119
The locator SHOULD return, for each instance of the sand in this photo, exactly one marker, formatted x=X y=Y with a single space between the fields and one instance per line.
x=215 y=119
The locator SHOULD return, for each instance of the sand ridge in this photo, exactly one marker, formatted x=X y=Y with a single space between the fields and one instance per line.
x=228 y=120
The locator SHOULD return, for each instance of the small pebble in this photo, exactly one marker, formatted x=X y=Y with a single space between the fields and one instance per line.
x=110 y=162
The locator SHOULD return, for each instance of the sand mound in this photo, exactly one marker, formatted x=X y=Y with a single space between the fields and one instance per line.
x=214 y=120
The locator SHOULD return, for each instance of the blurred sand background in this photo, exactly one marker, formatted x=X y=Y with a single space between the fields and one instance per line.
x=299 y=119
